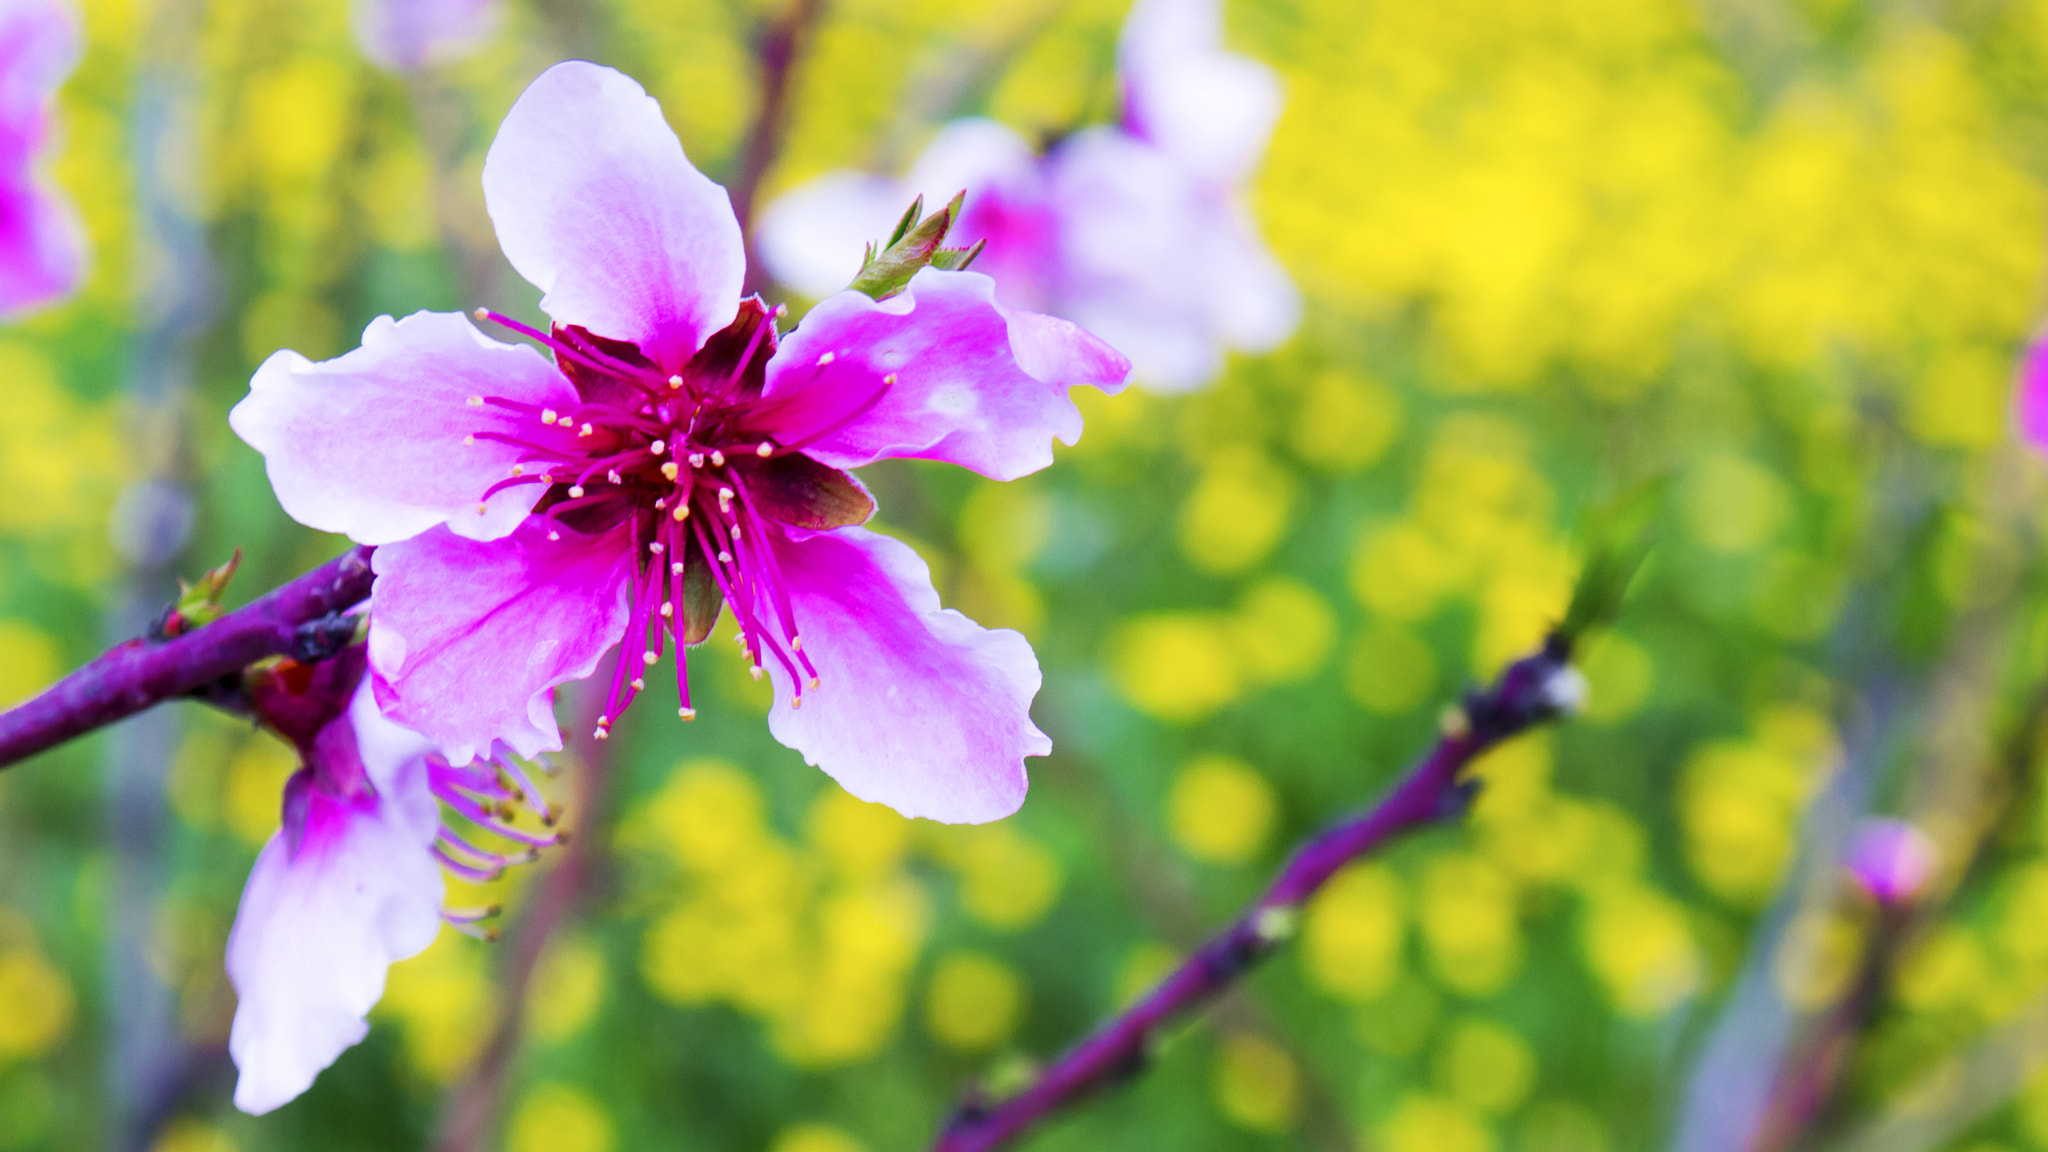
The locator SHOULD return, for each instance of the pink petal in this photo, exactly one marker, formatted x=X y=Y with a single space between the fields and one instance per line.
x=972 y=382
x=917 y=707
x=2033 y=395
x=469 y=638
x=1210 y=110
x=404 y=35
x=42 y=246
x=596 y=204
x=320 y=924
x=371 y=444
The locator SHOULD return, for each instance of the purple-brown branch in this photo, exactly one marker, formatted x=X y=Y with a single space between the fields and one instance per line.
x=779 y=45
x=293 y=620
x=1531 y=691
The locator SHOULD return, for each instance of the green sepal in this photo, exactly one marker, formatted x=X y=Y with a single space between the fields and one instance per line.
x=918 y=242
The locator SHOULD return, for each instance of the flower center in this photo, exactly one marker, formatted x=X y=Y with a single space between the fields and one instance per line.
x=684 y=460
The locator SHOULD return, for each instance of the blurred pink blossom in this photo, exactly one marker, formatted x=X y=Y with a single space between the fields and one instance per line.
x=678 y=455
x=1137 y=231
x=1891 y=859
x=42 y=249
x=407 y=35
x=351 y=882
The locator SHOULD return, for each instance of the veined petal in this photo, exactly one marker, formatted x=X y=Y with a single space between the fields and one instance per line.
x=596 y=204
x=917 y=706
x=375 y=444
x=933 y=373
x=1211 y=110
x=468 y=639
x=319 y=925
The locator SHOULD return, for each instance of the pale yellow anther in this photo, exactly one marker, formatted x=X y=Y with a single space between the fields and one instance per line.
x=476 y=401
x=576 y=492
x=482 y=314
x=675 y=381
x=889 y=379
x=656 y=547
x=696 y=459
x=687 y=713
x=796 y=701
x=814 y=681
x=796 y=643
x=614 y=476
x=481 y=509
x=676 y=568
x=660 y=502
x=639 y=685
x=669 y=470
x=649 y=657
x=519 y=469
x=469 y=441
x=765 y=450
x=668 y=611
x=724 y=557
x=601 y=734
x=725 y=495
x=735 y=533
x=717 y=458
x=553 y=535
x=585 y=430
x=547 y=415
x=755 y=671
x=827 y=358
x=657 y=448
x=682 y=512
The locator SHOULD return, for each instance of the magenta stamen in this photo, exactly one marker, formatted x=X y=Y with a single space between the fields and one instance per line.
x=859 y=411
x=474 y=875
x=592 y=358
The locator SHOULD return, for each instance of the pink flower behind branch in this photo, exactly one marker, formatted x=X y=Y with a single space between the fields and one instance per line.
x=407 y=35
x=1136 y=230
x=679 y=456
x=1891 y=859
x=351 y=882
x=41 y=245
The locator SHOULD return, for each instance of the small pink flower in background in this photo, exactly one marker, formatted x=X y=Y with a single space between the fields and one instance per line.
x=2032 y=411
x=1891 y=859
x=1136 y=231
x=351 y=882
x=42 y=250
x=678 y=455
x=407 y=35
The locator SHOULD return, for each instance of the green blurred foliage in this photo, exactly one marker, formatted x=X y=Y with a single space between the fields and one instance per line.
x=1779 y=257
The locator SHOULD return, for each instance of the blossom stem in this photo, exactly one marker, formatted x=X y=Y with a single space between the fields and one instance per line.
x=1531 y=691
x=293 y=620
x=779 y=44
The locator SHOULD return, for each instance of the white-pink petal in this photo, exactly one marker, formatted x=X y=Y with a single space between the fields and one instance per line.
x=597 y=206
x=1209 y=109
x=468 y=639
x=379 y=444
x=812 y=238
x=945 y=382
x=918 y=707
x=329 y=907
x=404 y=35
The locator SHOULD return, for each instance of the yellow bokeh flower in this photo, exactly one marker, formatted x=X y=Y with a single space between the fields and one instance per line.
x=975 y=1001
x=559 y=1118
x=1221 y=810
x=1257 y=1084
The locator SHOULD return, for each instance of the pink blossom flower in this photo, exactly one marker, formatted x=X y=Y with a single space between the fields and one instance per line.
x=1891 y=859
x=1137 y=231
x=677 y=455
x=41 y=247
x=407 y=35
x=351 y=882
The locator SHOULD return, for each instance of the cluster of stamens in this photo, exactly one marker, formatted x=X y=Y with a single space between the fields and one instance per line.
x=665 y=454
x=490 y=796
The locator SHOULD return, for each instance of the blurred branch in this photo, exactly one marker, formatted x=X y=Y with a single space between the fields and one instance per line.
x=777 y=50
x=1535 y=689
x=293 y=620
x=473 y=1107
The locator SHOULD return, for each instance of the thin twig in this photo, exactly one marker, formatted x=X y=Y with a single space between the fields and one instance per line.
x=290 y=621
x=780 y=43
x=1531 y=691
x=474 y=1105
